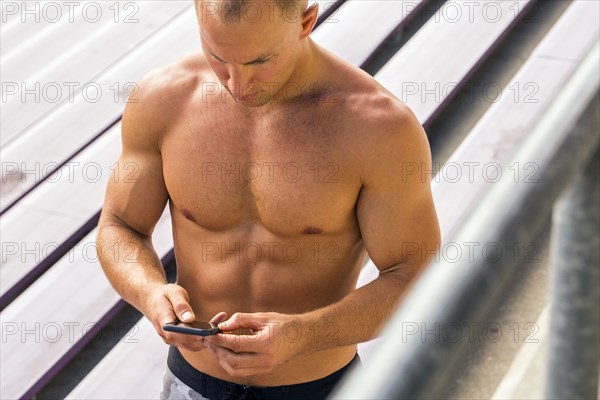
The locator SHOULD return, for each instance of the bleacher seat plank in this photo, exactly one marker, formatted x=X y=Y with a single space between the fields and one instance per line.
x=459 y=39
x=30 y=54
x=79 y=64
x=37 y=35
x=46 y=59
x=28 y=23
x=10 y=16
x=60 y=309
x=382 y=17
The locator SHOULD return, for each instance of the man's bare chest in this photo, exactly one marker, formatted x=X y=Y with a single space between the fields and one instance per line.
x=293 y=177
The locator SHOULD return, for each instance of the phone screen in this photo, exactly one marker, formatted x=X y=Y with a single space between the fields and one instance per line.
x=199 y=328
x=198 y=325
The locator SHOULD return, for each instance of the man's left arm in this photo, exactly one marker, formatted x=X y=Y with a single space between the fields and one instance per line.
x=400 y=229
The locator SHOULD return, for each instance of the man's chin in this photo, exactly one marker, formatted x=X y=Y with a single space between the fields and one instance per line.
x=254 y=102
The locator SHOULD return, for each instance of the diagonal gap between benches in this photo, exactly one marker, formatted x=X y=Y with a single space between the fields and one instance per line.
x=44 y=265
x=330 y=10
x=62 y=164
x=401 y=35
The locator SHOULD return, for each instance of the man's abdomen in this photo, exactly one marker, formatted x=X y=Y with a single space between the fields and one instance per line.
x=237 y=272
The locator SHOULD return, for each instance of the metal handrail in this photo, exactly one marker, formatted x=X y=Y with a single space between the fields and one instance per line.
x=451 y=293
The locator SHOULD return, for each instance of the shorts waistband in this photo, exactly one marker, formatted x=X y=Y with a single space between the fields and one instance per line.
x=218 y=389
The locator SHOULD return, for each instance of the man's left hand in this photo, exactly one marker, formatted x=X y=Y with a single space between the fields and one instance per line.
x=255 y=343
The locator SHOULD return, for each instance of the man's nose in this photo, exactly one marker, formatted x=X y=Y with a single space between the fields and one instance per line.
x=240 y=81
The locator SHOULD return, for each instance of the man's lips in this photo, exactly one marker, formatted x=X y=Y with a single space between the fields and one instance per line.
x=248 y=97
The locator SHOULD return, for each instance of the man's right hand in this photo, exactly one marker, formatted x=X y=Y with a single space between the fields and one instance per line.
x=169 y=303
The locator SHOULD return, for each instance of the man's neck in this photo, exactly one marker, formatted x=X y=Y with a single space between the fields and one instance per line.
x=304 y=76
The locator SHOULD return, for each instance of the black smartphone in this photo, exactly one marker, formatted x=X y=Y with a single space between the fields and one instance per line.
x=198 y=328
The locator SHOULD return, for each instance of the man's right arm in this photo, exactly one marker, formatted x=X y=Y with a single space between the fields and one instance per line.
x=135 y=199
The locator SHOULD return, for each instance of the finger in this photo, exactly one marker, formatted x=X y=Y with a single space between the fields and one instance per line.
x=220 y=317
x=241 y=321
x=238 y=361
x=236 y=343
x=165 y=314
x=232 y=323
x=182 y=308
x=188 y=342
x=241 y=364
x=195 y=346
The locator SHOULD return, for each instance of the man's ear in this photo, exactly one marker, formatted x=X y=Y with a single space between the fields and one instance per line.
x=309 y=19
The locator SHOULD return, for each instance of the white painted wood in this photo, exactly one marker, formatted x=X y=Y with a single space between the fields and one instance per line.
x=360 y=26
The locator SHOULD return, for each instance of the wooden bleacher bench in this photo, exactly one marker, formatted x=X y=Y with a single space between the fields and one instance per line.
x=459 y=48
x=547 y=69
x=143 y=355
x=103 y=376
x=39 y=52
x=326 y=10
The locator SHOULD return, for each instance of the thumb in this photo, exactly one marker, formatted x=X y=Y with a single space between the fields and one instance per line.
x=182 y=308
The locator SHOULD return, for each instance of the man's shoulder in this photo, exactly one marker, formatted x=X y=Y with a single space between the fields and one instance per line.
x=368 y=105
x=378 y=125
x=173 y=83
x=160 y=96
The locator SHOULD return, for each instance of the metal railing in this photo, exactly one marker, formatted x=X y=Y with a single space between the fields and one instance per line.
x=564 y=145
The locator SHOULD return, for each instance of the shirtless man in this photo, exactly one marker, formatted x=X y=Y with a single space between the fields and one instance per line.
x=282 y=167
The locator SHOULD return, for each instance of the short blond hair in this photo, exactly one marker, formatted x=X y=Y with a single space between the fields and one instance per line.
x=231 y=10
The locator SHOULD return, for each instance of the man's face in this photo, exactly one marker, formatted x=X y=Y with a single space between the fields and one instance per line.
x=254 y=57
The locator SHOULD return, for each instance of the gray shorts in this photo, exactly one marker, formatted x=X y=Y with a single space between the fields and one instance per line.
x=174 y=389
